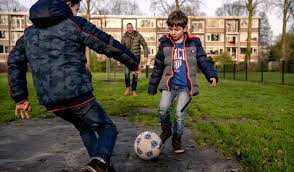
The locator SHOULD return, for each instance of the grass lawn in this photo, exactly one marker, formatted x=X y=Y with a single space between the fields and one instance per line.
x=252 y=121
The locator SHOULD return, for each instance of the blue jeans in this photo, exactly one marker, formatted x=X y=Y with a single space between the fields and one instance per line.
x=183 y=99
x=128 y=80
x=91 y=120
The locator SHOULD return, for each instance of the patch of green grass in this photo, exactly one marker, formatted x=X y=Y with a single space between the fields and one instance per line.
x=255 y=119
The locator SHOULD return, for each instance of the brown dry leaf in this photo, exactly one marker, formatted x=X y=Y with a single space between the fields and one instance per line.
x=238 y=152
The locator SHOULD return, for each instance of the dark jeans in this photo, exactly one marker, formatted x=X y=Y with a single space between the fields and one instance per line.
x=128 y=80
x=91 y=121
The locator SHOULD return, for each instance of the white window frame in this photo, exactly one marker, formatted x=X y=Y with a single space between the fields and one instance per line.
x=152 y=23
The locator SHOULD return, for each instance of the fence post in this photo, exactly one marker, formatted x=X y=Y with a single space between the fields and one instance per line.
x=224 y=71
x=283 y=71
x=234 y=74
x=246 y=71
x=147 y=71
x=261 y=68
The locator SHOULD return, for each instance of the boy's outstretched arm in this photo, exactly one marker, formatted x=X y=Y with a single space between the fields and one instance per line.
x=104 y=43
x=157 y=71
x=17 y=81
x=205 y=65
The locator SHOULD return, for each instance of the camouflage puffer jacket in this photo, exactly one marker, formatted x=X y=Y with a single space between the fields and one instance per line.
x=136 y=41
x=54 y=48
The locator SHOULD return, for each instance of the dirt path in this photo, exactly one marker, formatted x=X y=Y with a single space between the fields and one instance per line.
x=54 y=145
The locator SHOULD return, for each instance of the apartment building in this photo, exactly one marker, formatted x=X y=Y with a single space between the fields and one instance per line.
x=218 y=34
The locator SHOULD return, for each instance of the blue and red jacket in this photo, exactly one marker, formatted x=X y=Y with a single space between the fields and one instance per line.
x=195 y=56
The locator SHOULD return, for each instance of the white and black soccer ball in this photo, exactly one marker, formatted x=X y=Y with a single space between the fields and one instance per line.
x=148 y=145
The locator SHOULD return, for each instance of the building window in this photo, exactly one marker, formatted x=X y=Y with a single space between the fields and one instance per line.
x=29 y=22
x=127 y=21
x=3 y=35
x=116 y=35
x=149 y=36
x=151 y=50
x=215 y=23
x=244 y=23
x=243 y=37
x=18 y=23
x=146 y=23
x=112 y=23
x=214 y=37
x=197 y=26
x=242 y=50
x=253 y=51
x=97 y=23
x=3 y=49
x=213 y=50
x=3 y=20
x=231 y=39
x=161 y=24
x=232 y=26
x=232 y=52
x=15 y=36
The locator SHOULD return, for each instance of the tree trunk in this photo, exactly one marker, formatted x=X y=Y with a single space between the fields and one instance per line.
x=88 y=51
x=249 y=30
x=285 y=11
x=177 y=5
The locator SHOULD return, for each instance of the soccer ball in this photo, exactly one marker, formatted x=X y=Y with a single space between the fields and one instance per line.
x=148 y=145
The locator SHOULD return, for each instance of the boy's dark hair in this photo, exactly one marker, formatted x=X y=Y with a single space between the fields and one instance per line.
x=73 y=2
x=177 y=18
x=130 y=24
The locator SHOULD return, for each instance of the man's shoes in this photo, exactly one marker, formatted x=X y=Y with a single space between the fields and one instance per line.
x=127 y=91
x=134 y=94
x=97 y=165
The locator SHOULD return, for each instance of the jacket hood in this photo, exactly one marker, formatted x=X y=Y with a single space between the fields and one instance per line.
x=45 y=13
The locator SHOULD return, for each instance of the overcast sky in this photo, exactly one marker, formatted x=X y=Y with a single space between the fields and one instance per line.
x=209 y=7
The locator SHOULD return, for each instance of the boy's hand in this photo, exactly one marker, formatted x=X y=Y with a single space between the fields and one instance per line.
x=136 y=72
x=213 y=82
x=24 y=109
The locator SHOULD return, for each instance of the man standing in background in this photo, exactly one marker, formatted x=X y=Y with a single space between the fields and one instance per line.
x=133 y=39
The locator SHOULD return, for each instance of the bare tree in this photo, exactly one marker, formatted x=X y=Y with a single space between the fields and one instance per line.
x=11 y=5
x=124 y=7
x=287 y=9
x=165 y=7
x=251 y=6
x=87 y=6
x=236 y=8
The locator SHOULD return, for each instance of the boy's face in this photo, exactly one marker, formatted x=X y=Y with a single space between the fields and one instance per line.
x=177 y=32
x=74 y=8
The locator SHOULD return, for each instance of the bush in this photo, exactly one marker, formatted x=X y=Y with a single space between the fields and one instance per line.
x=97 y=65
x=223 y=58
x=3 y=67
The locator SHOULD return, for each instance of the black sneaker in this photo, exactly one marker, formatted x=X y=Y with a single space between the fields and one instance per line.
x=97 y=165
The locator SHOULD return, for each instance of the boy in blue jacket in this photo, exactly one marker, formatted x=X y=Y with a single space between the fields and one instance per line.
x=54 y=47
x=175 y=70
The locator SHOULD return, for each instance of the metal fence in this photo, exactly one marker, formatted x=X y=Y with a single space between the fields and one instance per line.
x=265 y=72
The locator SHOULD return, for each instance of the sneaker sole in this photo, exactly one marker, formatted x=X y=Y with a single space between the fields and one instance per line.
x=179 y=151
